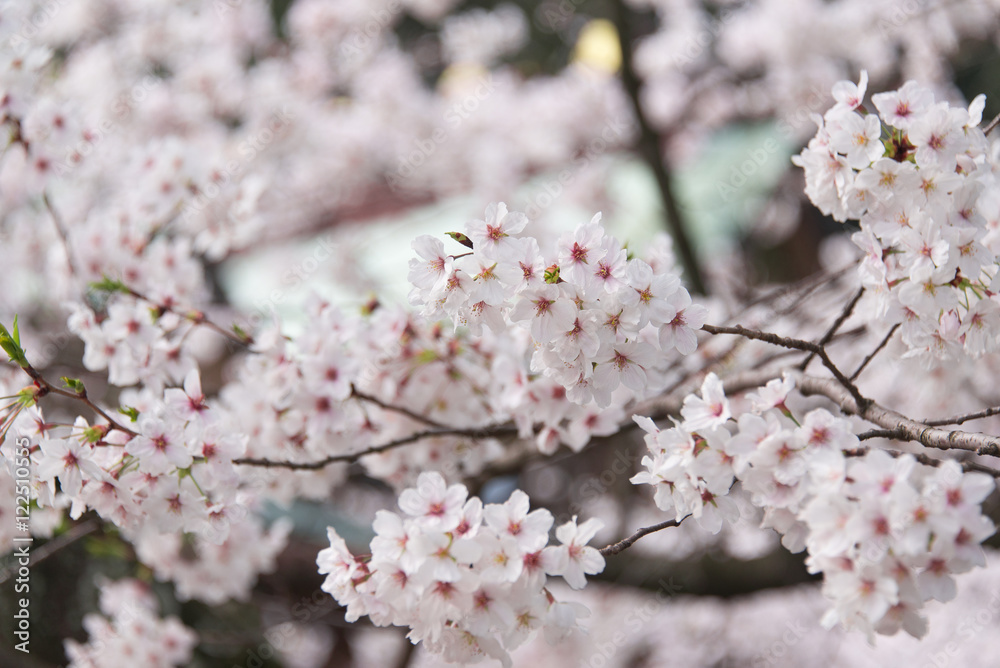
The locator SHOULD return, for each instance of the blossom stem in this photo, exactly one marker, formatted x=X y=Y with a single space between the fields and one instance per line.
x=872 y=354
x=844 y=315
x=626 y=543
x=498 y=431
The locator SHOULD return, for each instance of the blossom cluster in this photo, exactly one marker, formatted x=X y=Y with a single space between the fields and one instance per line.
x=129 y=632
x=468 y=579
x=598 y=320
x=127 y=338
x=139 y=186
x=920 y=178
x=887 y=533
x=349 y=383
x=173 y=472
x=167 y=481
x=706 y=64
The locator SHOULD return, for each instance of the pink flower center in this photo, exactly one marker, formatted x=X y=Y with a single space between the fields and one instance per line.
x=494 y=234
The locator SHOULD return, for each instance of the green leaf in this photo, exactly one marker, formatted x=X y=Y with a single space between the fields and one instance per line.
x=108 y=284
x=94 y=434
x=460 y=238
x=132 y=413
x=552 y=274
x=28 y=396
x=11 y=345
x=370 y=306
x=107 y=547
x=74 y=384
x=426 y=356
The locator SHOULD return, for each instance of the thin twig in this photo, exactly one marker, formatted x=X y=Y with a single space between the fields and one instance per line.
x=844 y=315
x=796 y=344
x=357 y=394
x=989 y=128
x=75 y=533
x=968 y=467
x=626 y=543
x=48 y=388
x=807 y=284
x=959 y=419
x=499 y=431
x=63 y=235
x=195 y=316
x=871 y=356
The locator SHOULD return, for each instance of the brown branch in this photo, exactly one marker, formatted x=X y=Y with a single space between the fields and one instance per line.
x=795 y=344
x=626 y=543
x=357 y=394
x=48 y=388
x=46 y=550
x=959 y=419
x=63 y=235
x=989 y=128
x=878 y=348
x=844 y=315
x=649 y=149
x=895 y=425
x=876 y=433
x=968 y=467
x=195 y=316
x=499 y=431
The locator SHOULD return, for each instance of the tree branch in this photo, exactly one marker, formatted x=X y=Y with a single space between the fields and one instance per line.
x=649 y=149
x=795 y=344
x=63 y=235
x=48 y=388
x=195 y=316
x=895 y=425
x=498 y=431
x=70 y=536
x=959 y=419
x=989 y=128
x=924 y=459
x=878 y=348
x=844 y=315
x=357 y=394
x=626 y=543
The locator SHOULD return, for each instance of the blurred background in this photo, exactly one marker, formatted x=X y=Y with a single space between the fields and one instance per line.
x=302 y=144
